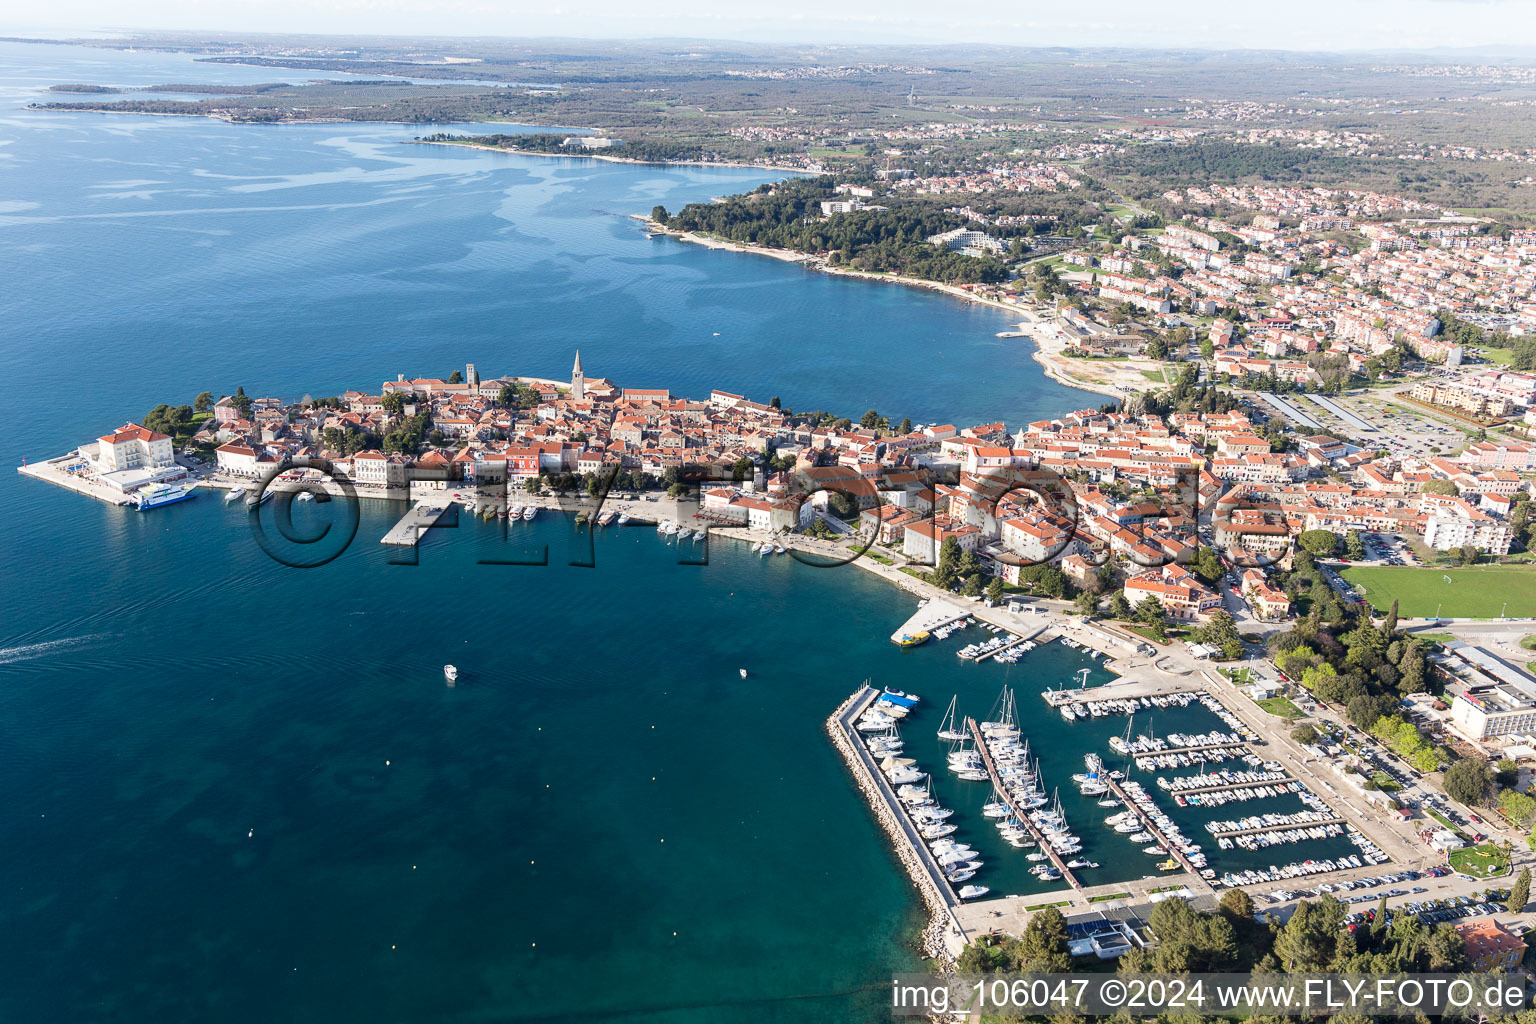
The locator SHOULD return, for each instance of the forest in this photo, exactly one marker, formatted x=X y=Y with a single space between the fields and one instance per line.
x=788 y=216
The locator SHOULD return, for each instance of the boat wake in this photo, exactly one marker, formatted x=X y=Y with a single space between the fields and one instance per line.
x=26 y=652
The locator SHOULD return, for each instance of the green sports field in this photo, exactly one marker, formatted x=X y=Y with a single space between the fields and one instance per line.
x=1475 y=592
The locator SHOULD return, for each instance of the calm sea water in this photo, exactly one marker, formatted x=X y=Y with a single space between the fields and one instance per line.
x=242 y=792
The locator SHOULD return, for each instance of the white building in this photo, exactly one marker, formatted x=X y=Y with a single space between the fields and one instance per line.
x=133 y=447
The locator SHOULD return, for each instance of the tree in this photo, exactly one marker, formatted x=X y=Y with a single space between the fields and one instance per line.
x=995 y=591
x=1206 y=564
x=1468 y=782
x=1087 y=604
x=1119 y=607
x=1150 y=610
x=203 y=402
x=394 y=403
x=1237 y=903
x=506 y=397
x=659 y=214
x=1364 y=710
x=1354 y=546
x=972 y=586
x=869 y=419
x=1043 y=946
x=1319 y=543
x=1389 y=627
x=1308 y=940
x=1157 y=348
x=1520 y=892
x=1304 y=733
x=1518 y=808
x=456 y=377
x=1441 y=487
x=1207 y=348
x=905 y=427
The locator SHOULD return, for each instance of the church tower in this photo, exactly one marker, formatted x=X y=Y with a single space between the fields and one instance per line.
x=578 y=381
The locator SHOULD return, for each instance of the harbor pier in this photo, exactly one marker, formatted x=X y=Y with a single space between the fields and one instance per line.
x=1018 y=812
x=1157 y=833
x=929 y=617
x=422 y=517
x=945 y=936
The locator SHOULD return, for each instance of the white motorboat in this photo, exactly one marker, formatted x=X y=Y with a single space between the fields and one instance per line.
x=232 y=495
x=743 y=672
x=451 y=672
x=530 y=511
x=960 y=876
x=306 y=496
x=779 y=549
x=971 y=892
x=623 y=518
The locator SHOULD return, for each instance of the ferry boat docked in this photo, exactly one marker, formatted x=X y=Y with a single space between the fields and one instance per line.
x=913 y=639
x=165 y=494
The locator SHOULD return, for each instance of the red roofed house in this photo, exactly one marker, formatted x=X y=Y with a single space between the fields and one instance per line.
x=1490 y=945
x=1182 y=596
x=1264 y=599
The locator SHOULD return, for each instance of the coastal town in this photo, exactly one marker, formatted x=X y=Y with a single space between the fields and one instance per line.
x=1201 y=542
x=1294 y=521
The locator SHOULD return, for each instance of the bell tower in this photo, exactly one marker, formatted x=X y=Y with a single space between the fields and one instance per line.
x=578 y=380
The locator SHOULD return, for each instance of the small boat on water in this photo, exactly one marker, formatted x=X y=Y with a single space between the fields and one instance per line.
x=779 y=549
x=971 y=892
x=743 y=672
x=232 y=495
x=529 y=511
x=451 y=672
x=909 y=639
x=306 y=496
x=605 y=518
x=623 y=518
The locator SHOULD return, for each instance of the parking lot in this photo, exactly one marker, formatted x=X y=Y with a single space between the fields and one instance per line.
x=1371 y=890
x=1401 y=428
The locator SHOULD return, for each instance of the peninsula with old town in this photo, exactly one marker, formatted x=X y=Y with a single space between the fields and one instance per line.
x=1301 y=517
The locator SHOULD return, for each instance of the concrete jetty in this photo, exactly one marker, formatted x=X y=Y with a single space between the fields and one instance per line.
x=1017 y=811
x=422 y=517
x=945 y=936
x=930 y=616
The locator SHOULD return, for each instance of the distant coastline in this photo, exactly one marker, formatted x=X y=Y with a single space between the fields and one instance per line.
x=588 y=155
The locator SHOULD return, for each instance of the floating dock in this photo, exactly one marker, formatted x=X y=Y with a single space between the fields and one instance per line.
x=930 y=616
x=1018 y=812
x=1010 y=645
x=413 y=524
x=1195 y=790
x=1157 y=833
x=1284 y=827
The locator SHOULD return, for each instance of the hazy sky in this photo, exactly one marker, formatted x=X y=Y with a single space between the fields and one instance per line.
x=1295 y=24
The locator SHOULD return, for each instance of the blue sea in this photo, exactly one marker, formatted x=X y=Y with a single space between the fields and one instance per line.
x=241 y=792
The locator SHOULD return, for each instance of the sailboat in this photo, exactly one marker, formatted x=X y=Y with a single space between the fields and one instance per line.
x=948 y=727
